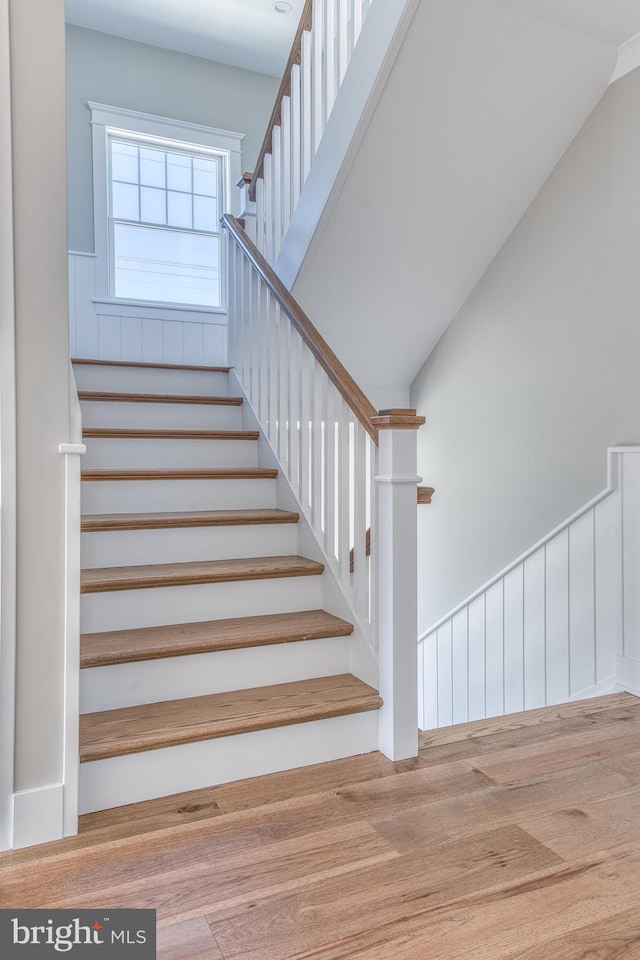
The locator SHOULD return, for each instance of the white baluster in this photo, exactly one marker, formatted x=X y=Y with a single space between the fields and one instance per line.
x=264 y=356
x=276 y=179
x=254 y=333
x=294 y=408
x=274 y=358
x=343 y=39
x=285 y=153
x=268 y=208
x=317 y=501
x=242 y=341
x=284 y=344
x=330 y=545
x=344 y=493
x=330 y=58
x=295 y=146
x=372 y=565
x=232 y=346
x=306 y=389
x=260 y=214
x=357 y=22
x=306 y=100
x=360 y=490
x=318 y=70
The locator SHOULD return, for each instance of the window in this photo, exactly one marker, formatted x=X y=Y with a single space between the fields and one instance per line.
x=164 y=223
x=158 y=202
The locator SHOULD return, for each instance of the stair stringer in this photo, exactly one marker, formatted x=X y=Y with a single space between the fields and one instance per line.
x=362 y=658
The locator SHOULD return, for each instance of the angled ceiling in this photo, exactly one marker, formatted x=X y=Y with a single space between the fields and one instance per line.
x=244 y=33
x=252 y=35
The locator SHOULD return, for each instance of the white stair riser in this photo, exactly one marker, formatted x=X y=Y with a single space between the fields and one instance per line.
x=122 y=609
x=150 y=380
x=159 y=773
x=152 y=681
x=121 y=548
x=150 y=496
x=171 y=416
x=121 y=454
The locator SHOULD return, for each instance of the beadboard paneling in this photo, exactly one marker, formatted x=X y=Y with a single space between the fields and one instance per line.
x=549 y=628
x=151 y=334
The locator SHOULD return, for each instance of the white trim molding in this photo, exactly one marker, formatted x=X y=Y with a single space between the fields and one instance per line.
x=103 y=327
x=106 y=120
x=156 y=126
x=7 y=448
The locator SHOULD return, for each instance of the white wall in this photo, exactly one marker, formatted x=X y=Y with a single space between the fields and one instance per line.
x=123 y=73
x=42 y=389
x=538 y=373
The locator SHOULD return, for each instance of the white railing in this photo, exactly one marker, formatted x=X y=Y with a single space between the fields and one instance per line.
x=328 y=452
x=543 y=631
x=352 y=470
x=327 y=36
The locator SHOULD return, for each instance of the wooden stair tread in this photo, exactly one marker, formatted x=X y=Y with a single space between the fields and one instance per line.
x=89 y=395
x=135 y=729
x=183 y=473
x=147 y=576
x=192 y=518
x=183 y=639
x=143 y=363
x=146 y=433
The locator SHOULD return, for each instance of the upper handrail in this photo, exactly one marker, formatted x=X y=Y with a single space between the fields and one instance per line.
x=341 y=379
x=284 y=90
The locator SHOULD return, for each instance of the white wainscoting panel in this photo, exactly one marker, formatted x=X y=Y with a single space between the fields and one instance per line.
x=560 y=623
x=103 y=330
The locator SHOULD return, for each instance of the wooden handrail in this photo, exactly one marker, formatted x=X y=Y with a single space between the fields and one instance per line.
x=341 y=379
x=284 y=90
x=425 y=495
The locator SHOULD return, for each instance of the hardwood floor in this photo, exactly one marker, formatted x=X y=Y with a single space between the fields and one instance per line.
x=510 y=838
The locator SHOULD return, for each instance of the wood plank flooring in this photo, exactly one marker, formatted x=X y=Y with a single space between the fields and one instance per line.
x=511 y=838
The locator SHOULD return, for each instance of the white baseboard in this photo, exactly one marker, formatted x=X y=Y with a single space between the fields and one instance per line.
x=597 y=690
x=37 y=816
x=628 y=675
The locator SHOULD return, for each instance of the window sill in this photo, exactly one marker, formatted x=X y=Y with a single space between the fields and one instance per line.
x=159 y=311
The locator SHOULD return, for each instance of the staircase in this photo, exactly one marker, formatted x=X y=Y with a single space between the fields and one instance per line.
x=207 y=651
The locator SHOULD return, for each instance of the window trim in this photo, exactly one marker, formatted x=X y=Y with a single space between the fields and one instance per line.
x=106 y=120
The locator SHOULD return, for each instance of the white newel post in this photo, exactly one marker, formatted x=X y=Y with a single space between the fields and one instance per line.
x=395 y=551
x=72 y=453
x=247 y=206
